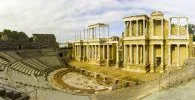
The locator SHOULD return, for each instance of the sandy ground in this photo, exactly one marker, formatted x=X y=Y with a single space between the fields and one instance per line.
x=182 y=92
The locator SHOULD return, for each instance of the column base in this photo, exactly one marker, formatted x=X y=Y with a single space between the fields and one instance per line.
x=152 y=68
x=117 y=64
x=84 y=59
x=108 y=63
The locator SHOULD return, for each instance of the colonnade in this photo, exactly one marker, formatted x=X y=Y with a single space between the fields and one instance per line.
x=139 y=31
x=178 y=25
x=107 y=52
x=170 y=58
x=99 y=31
x=129 y=54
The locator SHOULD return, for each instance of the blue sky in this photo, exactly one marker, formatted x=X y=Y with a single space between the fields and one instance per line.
x=64 y=18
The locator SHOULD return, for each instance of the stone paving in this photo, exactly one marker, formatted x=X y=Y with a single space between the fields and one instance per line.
x=182 y=92
x=80 y=81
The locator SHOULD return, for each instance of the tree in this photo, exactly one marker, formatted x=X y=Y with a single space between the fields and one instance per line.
x=191 y=28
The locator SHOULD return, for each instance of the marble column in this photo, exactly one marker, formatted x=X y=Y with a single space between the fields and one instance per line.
x=99 y=52
x=162 y=27
x=125 y=26
x=125 y=53
x=169 y=54
x=87 y=51
x=162 y=56
x=131 y=56
x=130 y=29
x=112 y=51
x=137 y=54
x=95 y=51
x=152 y=54
x=137 y=29
x=84 y=35
x=170 y=26
x=187 y=51
x=117 y=54
x=144 y=31
x=108 y=55
x=92 y=53
x=187 y=26
x=178 y=54
x=144 y=54
x=75 y=51
x=103 y=52
x=84 y=53
x=152 y=28
x=178 y=24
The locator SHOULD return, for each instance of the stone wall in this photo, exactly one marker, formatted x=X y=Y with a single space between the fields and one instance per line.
x=168 y=80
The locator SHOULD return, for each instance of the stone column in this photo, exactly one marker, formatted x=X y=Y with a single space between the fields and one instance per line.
x=125 y=27
x=112 y=51
x=81 y=52
x=131 y=56
x=144 y=23
x=125 y=54
x=108 y=55
x=144 y=54
x=140 y=54
x=169 y=54
x=87 y=52
x=162 y=27
x=178 y=54
x=99 y=31
x=187 y=27
x=92 y=49
x=78 y=54
x=95 y=52
x=117 y=54
x=137 y=54
x=130 y=29
x=187 y=51
x=178 y=24
x=162 y=57
x=99 y=52
x=91 y=52
x=75 y=51
x=84 y=53
x=169 y=26
x=103 y=52
x=152 y=55
x=137 y=33
x=152 y=28
x=93 y=32
x=88 y=31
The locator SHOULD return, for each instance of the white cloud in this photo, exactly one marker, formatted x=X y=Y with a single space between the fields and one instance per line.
x=66 y=17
